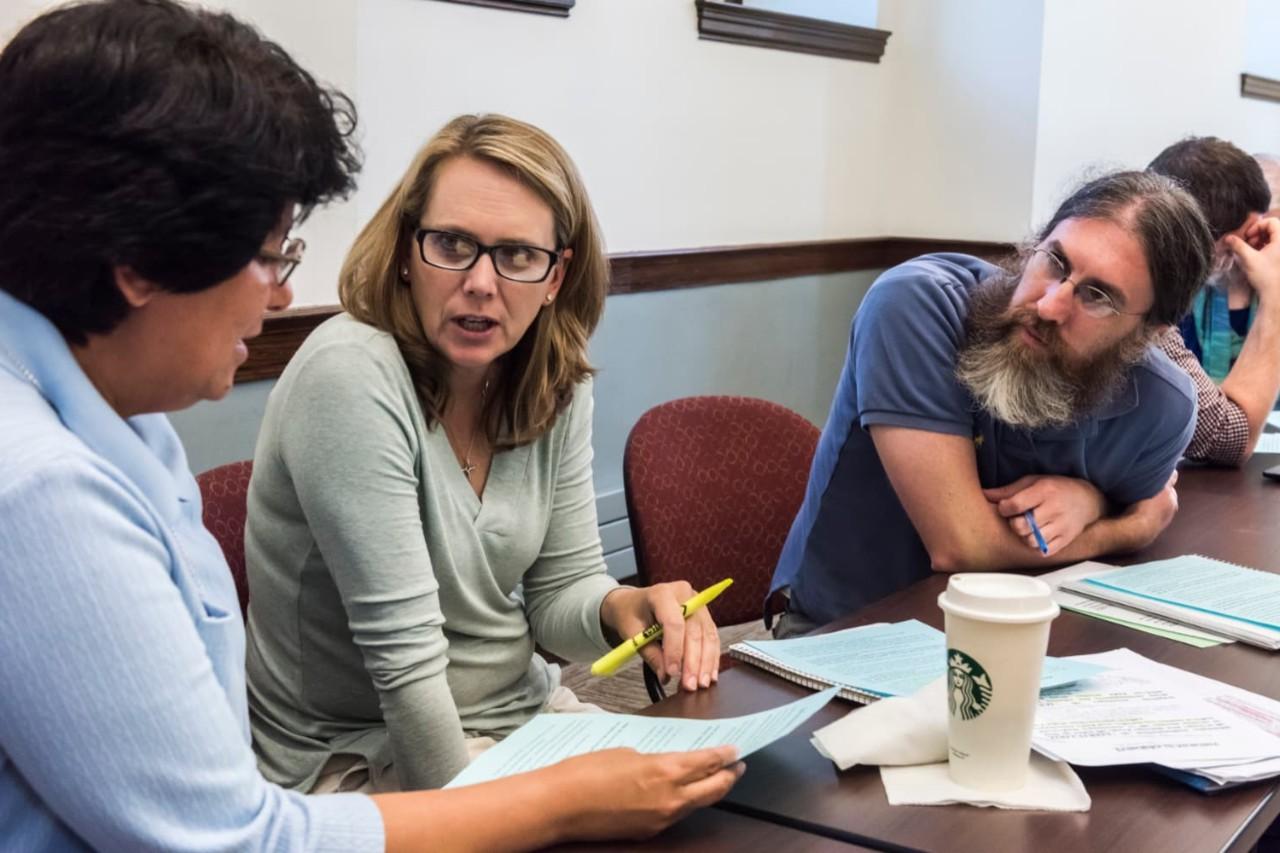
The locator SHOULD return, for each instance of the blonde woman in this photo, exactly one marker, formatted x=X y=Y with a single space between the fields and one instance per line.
x=421 y=511
x=135 y=263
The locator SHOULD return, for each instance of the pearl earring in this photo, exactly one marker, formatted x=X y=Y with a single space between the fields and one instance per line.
x=550 y=299
x=404 y=273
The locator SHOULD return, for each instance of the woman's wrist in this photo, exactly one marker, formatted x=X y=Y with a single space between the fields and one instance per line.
x=612 y=606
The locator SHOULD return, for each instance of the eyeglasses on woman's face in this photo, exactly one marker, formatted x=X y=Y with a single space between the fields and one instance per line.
x=284 y=262
x=512 y=261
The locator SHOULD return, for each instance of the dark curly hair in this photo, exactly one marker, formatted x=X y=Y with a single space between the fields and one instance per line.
x=154 y=135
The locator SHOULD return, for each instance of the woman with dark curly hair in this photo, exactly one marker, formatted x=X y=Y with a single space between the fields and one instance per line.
x=154 y=159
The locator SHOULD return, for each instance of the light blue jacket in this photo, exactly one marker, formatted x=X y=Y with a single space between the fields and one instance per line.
x=123 y=720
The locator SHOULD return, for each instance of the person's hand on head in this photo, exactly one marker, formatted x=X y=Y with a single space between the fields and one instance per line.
x=1258 y=257
x=689 y=649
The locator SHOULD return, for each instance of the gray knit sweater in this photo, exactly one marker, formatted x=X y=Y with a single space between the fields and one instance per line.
x=391 y=609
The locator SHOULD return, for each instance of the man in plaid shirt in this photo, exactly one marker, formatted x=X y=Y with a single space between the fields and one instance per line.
x=1234 y=326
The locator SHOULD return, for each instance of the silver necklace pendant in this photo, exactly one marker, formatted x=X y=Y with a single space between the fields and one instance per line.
x=467 y=465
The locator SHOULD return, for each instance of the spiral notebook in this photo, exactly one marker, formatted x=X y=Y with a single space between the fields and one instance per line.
x=876 y=661
x=1195 y=590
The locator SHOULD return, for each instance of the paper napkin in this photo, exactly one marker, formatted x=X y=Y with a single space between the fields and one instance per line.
x=907 y=738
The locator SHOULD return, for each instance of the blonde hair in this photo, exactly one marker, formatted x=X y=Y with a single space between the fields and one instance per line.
x=538 y=375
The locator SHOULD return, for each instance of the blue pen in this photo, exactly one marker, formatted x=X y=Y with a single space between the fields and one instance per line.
x=1030 y=516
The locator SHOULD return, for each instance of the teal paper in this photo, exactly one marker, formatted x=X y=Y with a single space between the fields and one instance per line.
x=549 y=738
x=1199 y=583
x=894 y=659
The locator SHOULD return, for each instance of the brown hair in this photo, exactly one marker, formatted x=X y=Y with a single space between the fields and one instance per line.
x=1227 y=183
x=540 y=372
x=1167 y=223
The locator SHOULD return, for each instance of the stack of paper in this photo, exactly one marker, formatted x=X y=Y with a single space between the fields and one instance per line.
x=1146 y=622
x=875 y=661
x=1139 y=711
x=1198 y=591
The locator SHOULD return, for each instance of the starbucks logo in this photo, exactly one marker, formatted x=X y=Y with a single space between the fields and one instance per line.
x=970 y=692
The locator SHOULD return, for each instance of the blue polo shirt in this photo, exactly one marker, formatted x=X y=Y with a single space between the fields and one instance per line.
x=852 y=542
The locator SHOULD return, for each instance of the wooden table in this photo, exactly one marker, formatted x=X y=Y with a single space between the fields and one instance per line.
x=1232 y=515
x=716 y=830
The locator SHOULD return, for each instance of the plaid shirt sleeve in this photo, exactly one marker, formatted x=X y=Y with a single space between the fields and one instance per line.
x=1222 y=430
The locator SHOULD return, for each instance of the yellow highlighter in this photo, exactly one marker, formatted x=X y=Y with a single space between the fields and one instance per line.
x=610 y=663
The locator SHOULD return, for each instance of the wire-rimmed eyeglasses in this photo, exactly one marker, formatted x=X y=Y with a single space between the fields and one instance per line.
x=1051 y=268
x=284 y=262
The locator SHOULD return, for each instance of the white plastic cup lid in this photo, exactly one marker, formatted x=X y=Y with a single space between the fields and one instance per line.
x=997 y=597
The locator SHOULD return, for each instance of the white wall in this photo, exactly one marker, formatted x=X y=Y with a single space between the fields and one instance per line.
x=1262 y=39
x=960 y=131
x=979 y=116
x=684 y=142
x=681 y=142
x=977 y=120
x=1120 y=81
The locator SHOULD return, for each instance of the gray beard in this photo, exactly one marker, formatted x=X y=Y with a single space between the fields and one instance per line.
x=1028 y=388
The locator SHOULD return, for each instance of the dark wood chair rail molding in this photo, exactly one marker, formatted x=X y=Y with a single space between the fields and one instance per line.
x=647 y=272
x=1263 y=88
x=732 y=22
x=559 y=8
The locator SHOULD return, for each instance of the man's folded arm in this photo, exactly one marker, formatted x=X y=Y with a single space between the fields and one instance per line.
x=935 y=476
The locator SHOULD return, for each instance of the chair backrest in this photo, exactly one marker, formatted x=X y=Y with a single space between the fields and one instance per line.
x=712 y=486
x=225 y=491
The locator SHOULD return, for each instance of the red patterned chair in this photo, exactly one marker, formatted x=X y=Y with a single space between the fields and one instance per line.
x=712 y=486
x=224 y=491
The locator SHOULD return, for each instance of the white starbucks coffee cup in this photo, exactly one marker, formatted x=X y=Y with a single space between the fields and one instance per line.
x=997 y=633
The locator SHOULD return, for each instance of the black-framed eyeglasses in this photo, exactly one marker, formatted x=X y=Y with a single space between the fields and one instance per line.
x=284 y=262
x=1051 y=268
x=514 y=261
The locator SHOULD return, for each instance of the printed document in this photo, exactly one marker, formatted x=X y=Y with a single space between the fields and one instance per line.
x=1203 y=584
x=1095 y=580
x=549 y=738
x=1146 y=622
x=1139 y=711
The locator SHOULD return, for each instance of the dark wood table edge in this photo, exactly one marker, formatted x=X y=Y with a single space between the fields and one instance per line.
x=1247 y=836
x=818 y=829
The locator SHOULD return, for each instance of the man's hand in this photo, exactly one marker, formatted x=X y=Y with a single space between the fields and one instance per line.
x=1154 y=513
x=1062 y=506
x=1258 y=256
x=690 y=648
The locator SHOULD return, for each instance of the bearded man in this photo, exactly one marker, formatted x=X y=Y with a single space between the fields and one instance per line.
x=975 y=398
